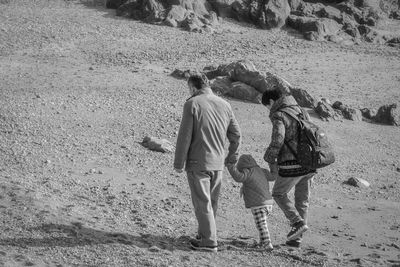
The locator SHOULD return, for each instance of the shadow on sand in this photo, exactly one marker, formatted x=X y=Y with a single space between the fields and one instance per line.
x=76 y=235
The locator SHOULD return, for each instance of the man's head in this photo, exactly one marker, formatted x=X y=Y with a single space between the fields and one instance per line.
x=270 y=96
x=197 y=82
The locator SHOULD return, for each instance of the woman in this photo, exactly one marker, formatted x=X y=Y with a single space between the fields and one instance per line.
x=283 y=162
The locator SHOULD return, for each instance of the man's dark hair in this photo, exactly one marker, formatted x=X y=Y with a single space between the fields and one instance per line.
x=271 y=95
x=198 y=80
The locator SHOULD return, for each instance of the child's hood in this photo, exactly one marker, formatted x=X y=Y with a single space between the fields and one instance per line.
x=246 y=161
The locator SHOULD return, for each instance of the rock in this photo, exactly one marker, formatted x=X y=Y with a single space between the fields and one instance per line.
x=295 y=4
x=395 y=41
x=156 y=144
x=395 y=245
x=314 y=28
x=114 y=4
x=267 y=14
x=395 y=14
x=274 y=14
x=176 y=16
x=351 y=29
x=325 y=110
x=245 y=71
x=155 y=249
x=182 y=74
x=368 y=113
x=211 y=72
x=303 y=98
x=243 y=91
x=388 y=114
x=223 y=8
x=357 y=182
x=348 y=112
x=193 y=15
x=221 y=85
x=244 y=66
x=352 y=114
x=330 y=12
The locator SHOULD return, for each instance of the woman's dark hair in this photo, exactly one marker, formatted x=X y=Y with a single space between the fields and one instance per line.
x=198 y=80
x=270 y=95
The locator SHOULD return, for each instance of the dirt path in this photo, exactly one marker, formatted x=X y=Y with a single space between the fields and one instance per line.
x=79 y=90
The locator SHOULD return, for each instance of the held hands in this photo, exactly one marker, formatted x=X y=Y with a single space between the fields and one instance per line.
x=178 y=170
x=273 y=168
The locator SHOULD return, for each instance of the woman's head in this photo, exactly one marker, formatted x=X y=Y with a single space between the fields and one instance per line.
x=270 y=96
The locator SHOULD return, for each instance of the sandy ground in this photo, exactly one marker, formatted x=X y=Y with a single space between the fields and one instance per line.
x=80 y=89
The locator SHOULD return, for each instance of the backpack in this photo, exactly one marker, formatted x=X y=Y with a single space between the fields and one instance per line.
x=313 y=148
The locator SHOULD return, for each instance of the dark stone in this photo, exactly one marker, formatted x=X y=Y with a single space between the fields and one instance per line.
x=156 y=144
x=352 y=114
x=388 y=114
x=368 y=113
x=325 y=111
x=337 y=105
x=114 y=4
x=330 y=12
x=182 y=74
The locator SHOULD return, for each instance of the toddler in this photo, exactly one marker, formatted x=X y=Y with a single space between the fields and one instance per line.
x=256 y=193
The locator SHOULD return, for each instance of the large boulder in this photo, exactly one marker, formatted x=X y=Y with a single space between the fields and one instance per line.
x=267 y=14
x=303 y=98
x=176 y=15
x=348 y=112
x=244 y=71
x=388 y=114
x=245 y=92
x=221 y=85
x=314 y=28
x=193 y=15
x=274 y=13
x=325 y=110
x=330 y=12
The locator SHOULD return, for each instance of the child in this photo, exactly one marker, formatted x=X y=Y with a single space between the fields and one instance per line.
x=257 y=196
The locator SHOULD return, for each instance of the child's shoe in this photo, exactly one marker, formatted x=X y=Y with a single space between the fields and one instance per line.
x=265 y=247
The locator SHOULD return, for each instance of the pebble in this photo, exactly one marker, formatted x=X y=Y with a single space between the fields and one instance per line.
x=154 y=249
x=395 y=245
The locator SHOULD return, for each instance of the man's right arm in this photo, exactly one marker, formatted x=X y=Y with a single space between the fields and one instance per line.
x=184 y=137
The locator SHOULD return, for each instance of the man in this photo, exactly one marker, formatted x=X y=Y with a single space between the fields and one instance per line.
x=283 y=162
x=207 y=123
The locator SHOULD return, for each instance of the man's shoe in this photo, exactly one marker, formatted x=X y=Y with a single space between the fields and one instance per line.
x=293 y=243
x=297 y=230
x=195 y=245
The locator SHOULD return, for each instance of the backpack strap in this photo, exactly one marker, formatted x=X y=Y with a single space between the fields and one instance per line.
x=294 y=116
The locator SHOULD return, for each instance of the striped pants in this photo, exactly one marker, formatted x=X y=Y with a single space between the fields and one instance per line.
x=260 y=217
